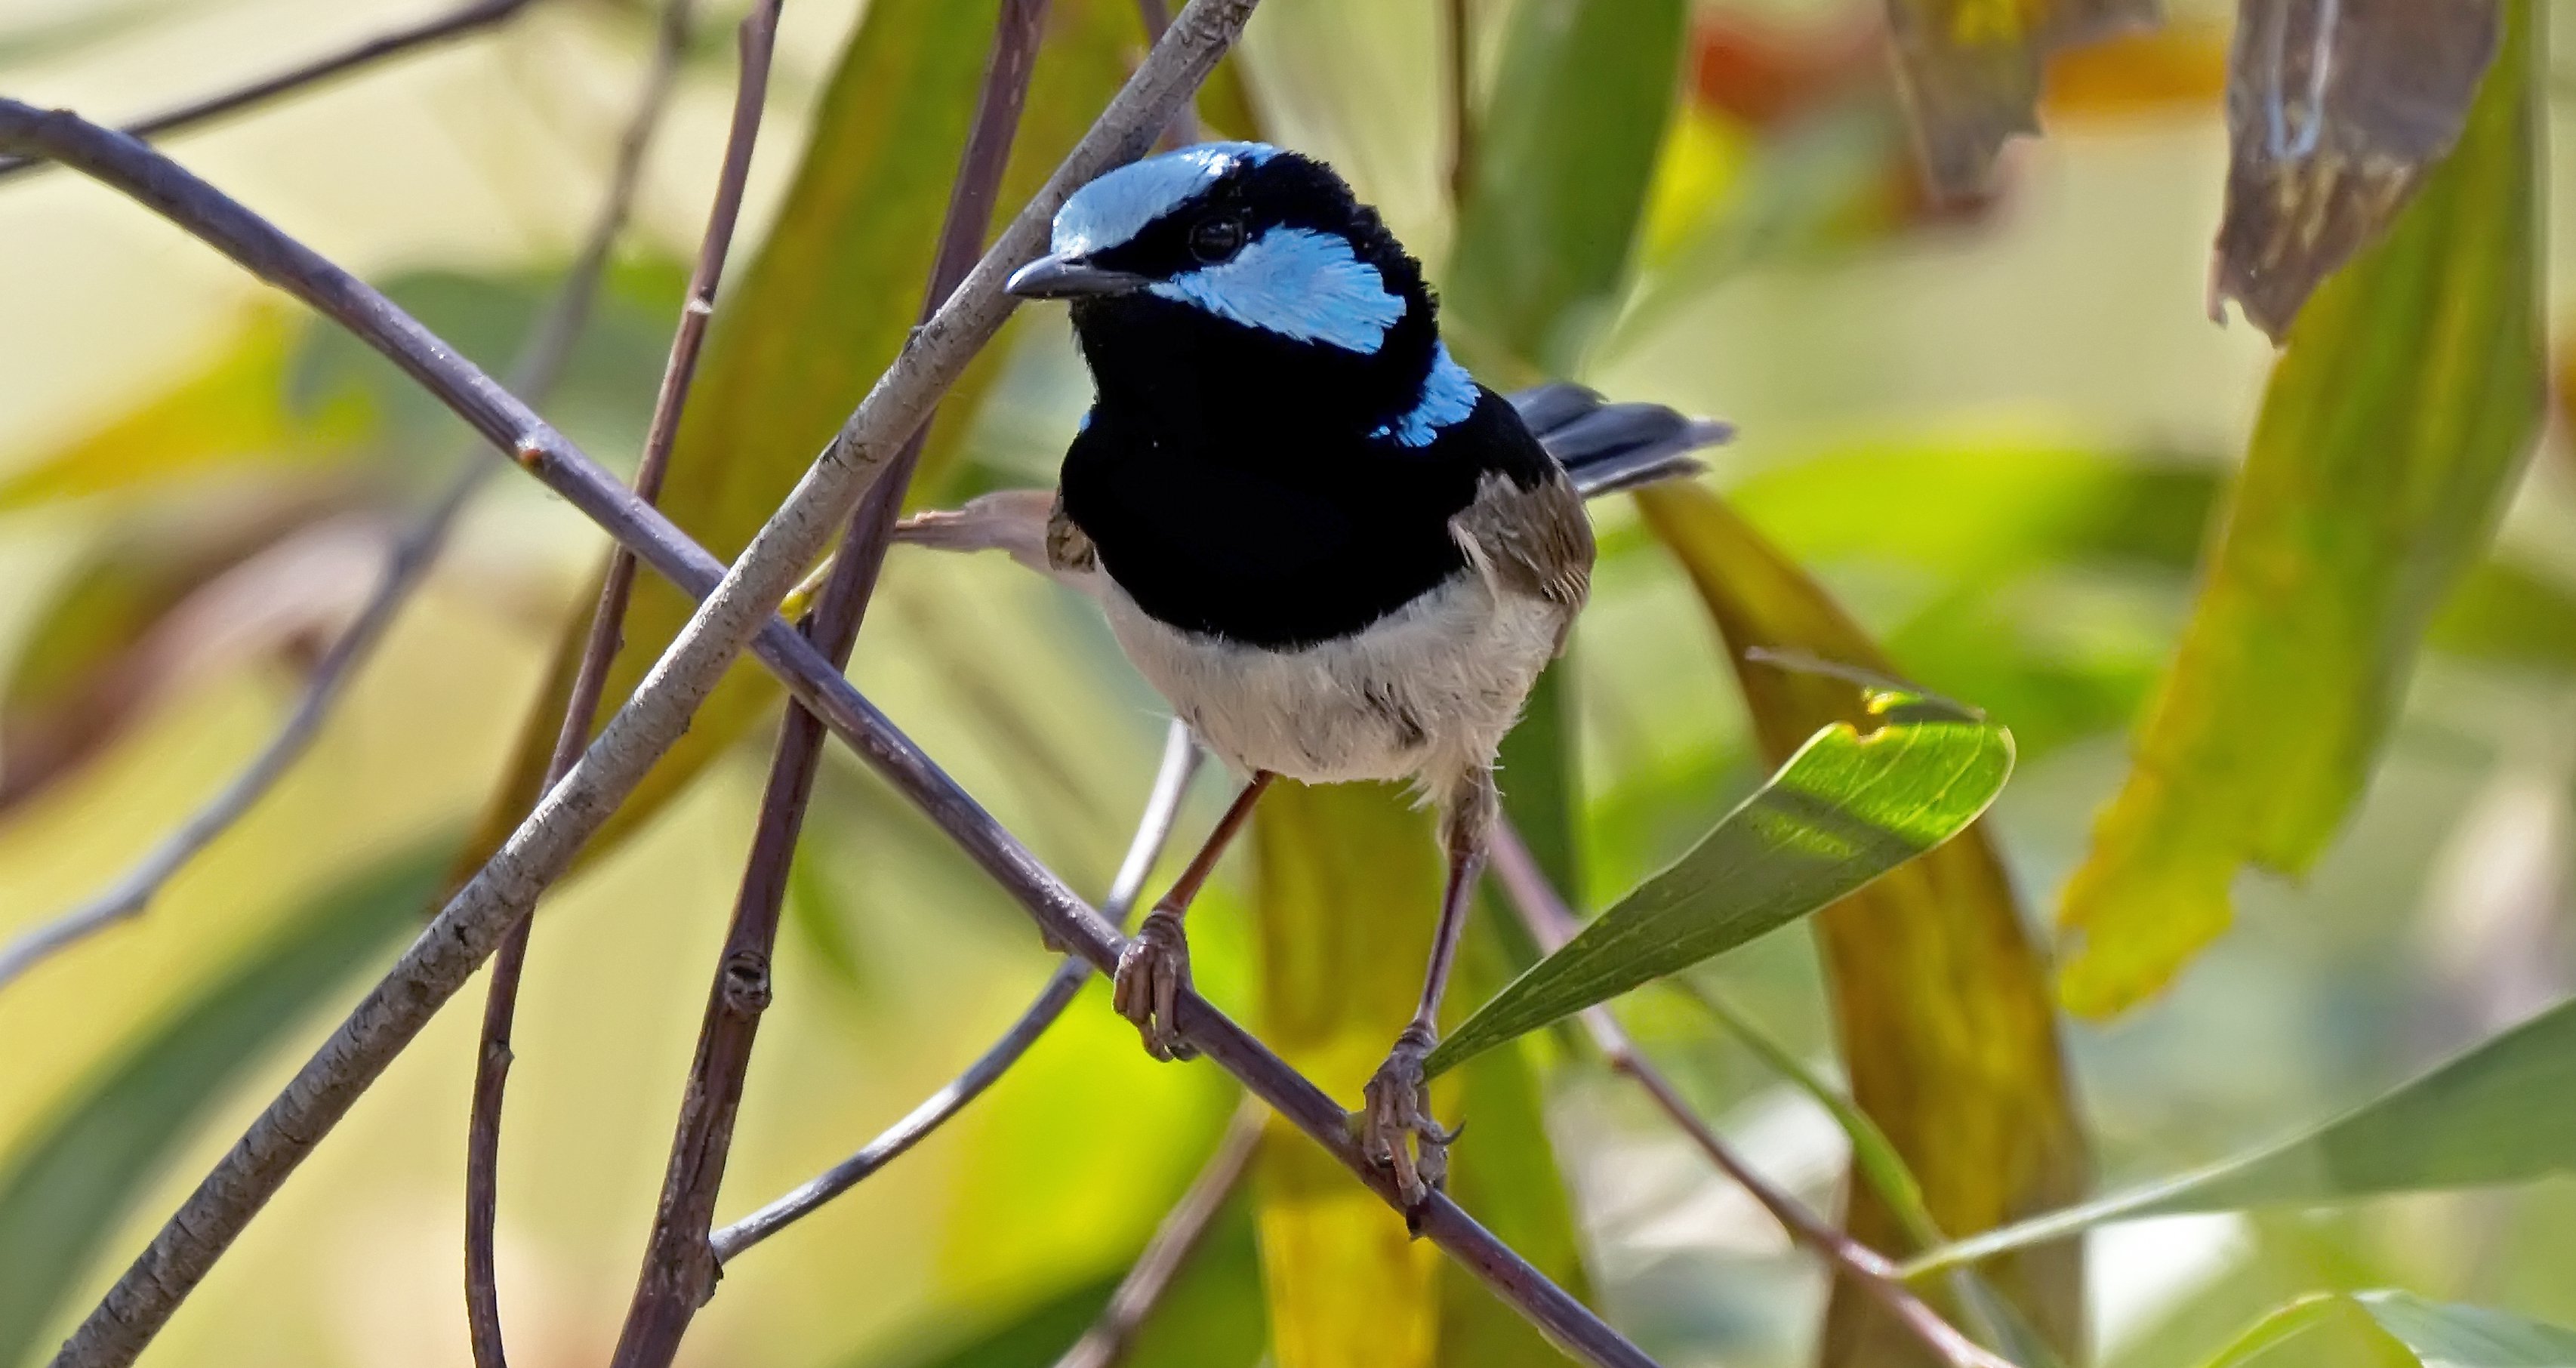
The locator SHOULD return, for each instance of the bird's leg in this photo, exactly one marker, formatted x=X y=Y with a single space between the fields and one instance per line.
x=1396 y=1125
x=1154 y=966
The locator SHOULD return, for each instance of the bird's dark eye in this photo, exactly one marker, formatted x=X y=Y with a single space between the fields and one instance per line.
x=1216 y=238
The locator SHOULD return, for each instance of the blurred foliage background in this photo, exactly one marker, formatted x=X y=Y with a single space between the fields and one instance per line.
x=2000 y=431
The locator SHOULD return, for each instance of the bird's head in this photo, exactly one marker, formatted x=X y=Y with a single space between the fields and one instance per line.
x=1219 y=276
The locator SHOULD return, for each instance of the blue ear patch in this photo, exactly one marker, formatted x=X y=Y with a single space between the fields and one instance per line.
x=1298 y=283
x=1448 y=396
x=1117 y=206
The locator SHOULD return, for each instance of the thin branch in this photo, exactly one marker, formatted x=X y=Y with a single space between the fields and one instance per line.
x=680 y=1266
x=1462 y=105
x=539 y=365
x=734 y=611
x=1181 y=758
x=472 y=18
x=1551 y=924
x=599 y=650
x=1108 y=1339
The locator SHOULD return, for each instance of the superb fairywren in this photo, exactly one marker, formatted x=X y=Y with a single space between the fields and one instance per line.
x=1336 y=554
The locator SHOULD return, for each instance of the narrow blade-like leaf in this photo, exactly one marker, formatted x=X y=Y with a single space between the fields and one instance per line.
x=2503 y=1111
x=1941 y=1002
x=1847 y=808
x=2394 y=427
x=73 y=1178
x=2398 y=1328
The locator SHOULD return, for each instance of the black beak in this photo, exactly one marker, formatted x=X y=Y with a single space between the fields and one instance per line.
x=1070 y=277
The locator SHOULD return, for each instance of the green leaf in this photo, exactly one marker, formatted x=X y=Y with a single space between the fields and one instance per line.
x=1847 y=808
x=1349 y=877
x=2403 y=1329
x=1941 y=1002
x=828 y=302
x=1564 y=155
x=2503 y=1111
x=2395 y=425
x=70 y=1180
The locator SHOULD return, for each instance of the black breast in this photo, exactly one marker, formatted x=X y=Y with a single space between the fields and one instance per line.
x=1275 y=530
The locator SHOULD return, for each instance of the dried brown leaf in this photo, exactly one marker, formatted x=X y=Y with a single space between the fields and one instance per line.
x=2335 y=111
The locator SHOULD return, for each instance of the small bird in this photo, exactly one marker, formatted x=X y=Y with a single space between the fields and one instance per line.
x=1336 y=554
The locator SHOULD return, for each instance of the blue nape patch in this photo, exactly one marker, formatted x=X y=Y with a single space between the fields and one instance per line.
x=1448 y=396
x=1117 y=206
x=1298 y=283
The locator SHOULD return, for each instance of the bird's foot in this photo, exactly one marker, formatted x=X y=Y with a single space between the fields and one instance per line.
x=1396 y=1130
x=1153 y=972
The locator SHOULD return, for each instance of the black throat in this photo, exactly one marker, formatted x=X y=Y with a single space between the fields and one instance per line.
x=1241 y=483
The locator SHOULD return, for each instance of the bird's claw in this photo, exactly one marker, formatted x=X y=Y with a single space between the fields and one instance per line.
x=1153 y=972
x=1396 y=1128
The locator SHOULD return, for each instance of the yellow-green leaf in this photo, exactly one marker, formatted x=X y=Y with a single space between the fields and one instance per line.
x=2394 y=426
x=1941 y=1001
x=238 y=411
x=1347 y=890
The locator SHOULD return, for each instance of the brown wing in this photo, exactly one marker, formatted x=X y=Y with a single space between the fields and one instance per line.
x=1068 y=547
x=1535 y=541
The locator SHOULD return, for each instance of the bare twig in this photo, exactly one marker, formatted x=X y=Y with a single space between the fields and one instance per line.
x=1552 y=923
x=1462 y=105
x=734 y=611
x=1153 y=831
x=599 y=650
x=471 y=18
x=1108 y=1339
x=680 y=1265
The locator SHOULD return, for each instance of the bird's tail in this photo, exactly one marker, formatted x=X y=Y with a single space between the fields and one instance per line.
x=1609 y=447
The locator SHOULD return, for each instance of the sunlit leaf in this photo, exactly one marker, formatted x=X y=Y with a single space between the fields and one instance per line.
x=1971 y=71
x=71 y=1179
x=1845 y=809
x=2399 y=1328
x=823 y=308
x=1347 y=892
x=2335 y=113
x=2394 y=426
x=1347 y=889
x=2503 y=1111
x=1564 y=153
x=1941 y=1002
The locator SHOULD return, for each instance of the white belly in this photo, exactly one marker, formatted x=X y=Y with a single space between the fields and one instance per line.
x=1424 y=693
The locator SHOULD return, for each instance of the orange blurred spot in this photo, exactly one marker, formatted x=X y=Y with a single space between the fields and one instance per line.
x=2178 y=69
x=1765 y=74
